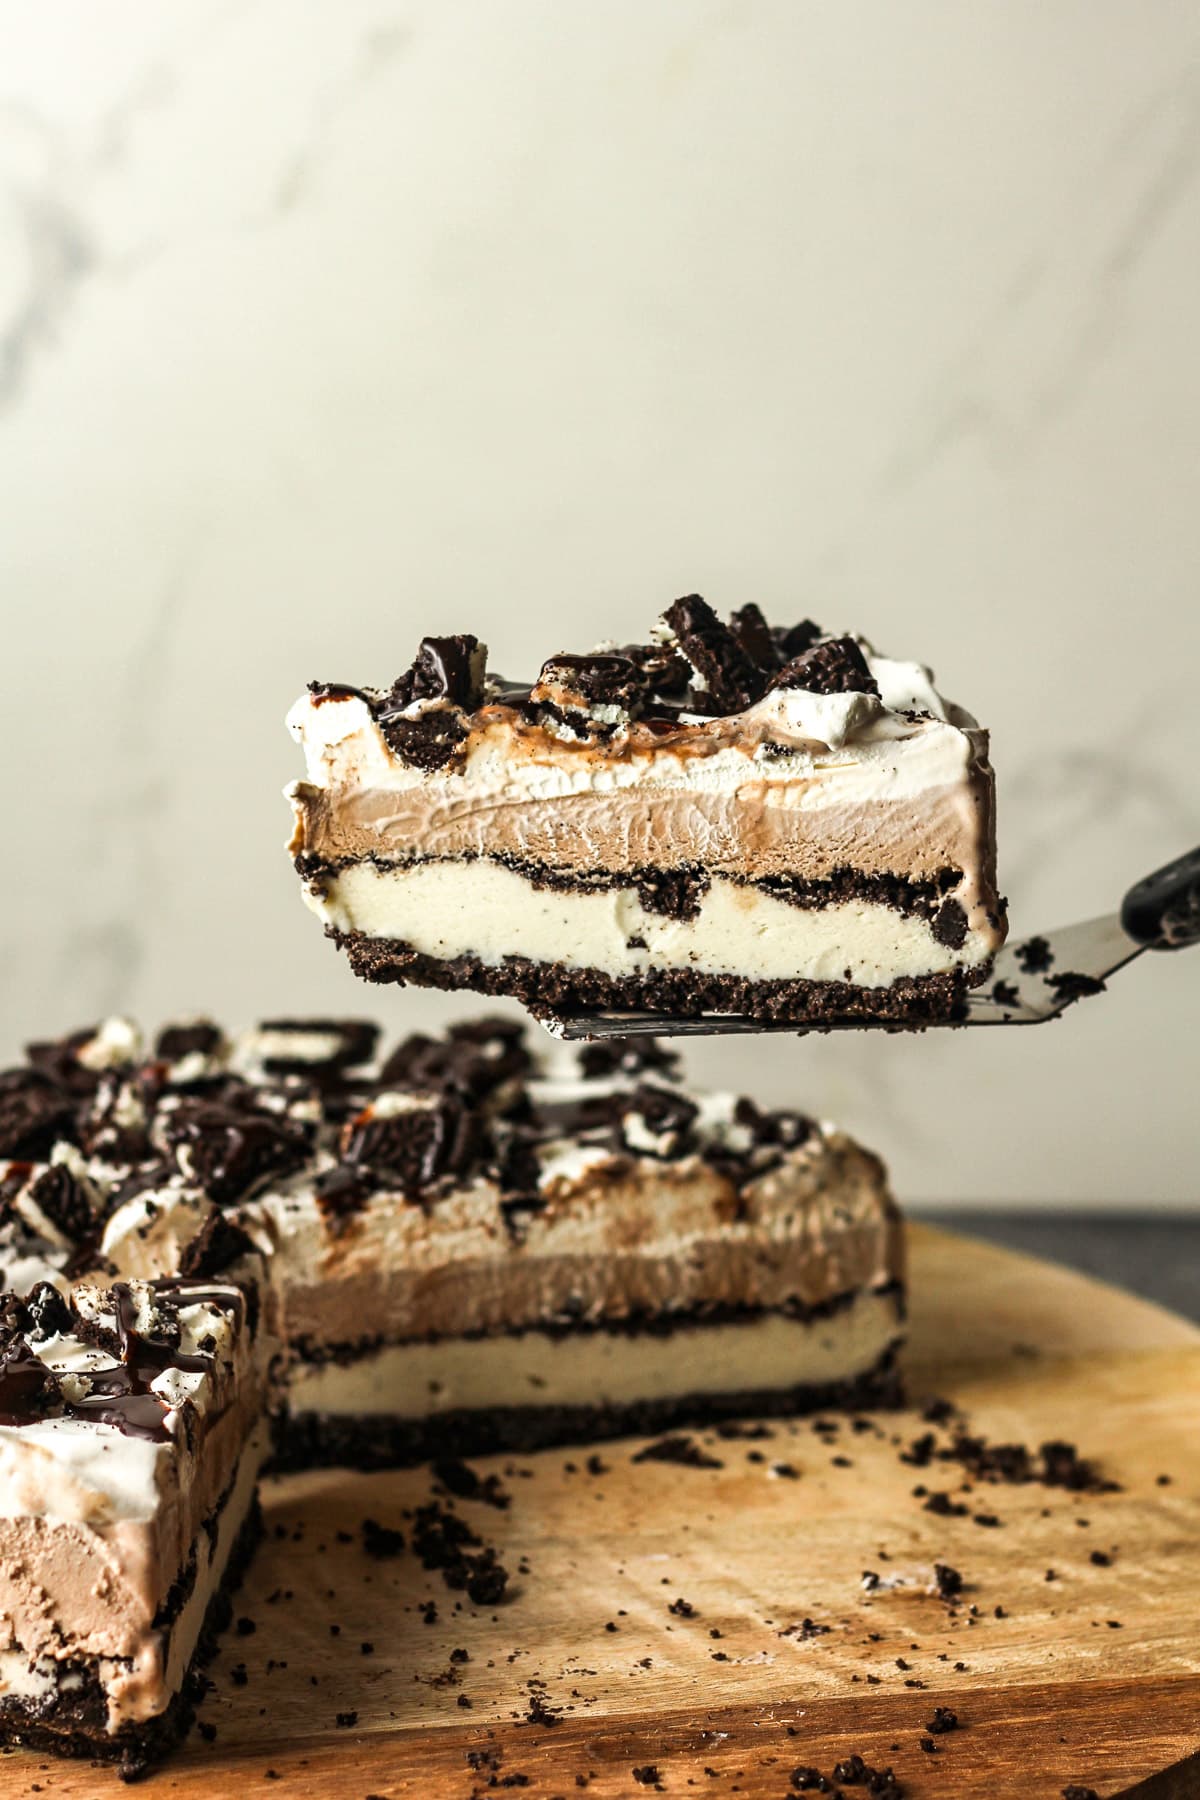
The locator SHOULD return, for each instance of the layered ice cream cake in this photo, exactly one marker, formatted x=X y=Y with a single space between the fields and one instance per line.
x=734 y=817
x=287 y=1242
x=131 y=1437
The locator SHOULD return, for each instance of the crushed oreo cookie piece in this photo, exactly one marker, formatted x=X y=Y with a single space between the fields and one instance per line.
x=381 y=1542
x=448 y=673
x=793 y=640
x=948 y=1583
x=665 y=673
x=1072 y=984
x=60 y=1059
x=835 y=666
x=427 y=742
x=683 y=1451
x=656 y=1122
x=855 y=1771
x=442 y=1540
x=342 y=1192
x=731 y=680
x=216 y=1247
x=944 y=1507
x=673 y=893
x=316 y=1047
x=232 y=1149
x=1062 y=1466
x=784 y=1128
x=63 y=1200
x=416 y=1145
x=950 y=924
x=627 y=1056
x=48 y=1313
x=755 y=637
x=445 y=668
x=28 y=1389
x=1034 y=956
x=601 y=679
x=35 y=1112
x=540 y=1713
x=461 y=1480
x=198 y=1037
x=474 y=1059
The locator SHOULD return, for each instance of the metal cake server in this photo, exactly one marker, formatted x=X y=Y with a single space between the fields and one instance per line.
x=1032 y=980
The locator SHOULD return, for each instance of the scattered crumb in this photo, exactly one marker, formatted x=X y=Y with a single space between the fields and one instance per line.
x=381 y=1540
x=683 y=1451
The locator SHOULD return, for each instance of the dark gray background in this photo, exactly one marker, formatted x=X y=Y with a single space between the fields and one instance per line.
x=1157 y=1256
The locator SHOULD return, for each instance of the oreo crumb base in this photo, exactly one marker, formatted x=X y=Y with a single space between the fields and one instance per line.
x=312 y=1440
x=552 y=989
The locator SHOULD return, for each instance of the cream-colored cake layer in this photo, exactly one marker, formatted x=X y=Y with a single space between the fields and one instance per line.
x=602 y=1368
x=447 y=909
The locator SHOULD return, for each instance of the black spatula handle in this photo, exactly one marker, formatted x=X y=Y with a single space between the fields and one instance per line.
x=1163 y=910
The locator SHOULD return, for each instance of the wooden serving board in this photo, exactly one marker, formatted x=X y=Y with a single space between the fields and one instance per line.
x=1091 y=1677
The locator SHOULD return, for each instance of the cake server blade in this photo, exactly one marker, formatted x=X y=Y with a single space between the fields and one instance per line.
x=1032 y=980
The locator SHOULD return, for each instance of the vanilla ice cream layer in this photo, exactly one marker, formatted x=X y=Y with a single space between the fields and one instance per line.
x=602 y=1368
x=482 y=908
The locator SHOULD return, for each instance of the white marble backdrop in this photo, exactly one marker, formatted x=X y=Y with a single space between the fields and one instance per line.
x=324 y=324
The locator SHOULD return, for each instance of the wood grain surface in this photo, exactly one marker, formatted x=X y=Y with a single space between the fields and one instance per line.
x=1071 y=1657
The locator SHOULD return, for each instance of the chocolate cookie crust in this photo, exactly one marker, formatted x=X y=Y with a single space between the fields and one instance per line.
x=316 y=1440
x=554 y=988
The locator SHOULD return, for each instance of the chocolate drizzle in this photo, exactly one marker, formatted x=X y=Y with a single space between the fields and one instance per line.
x=28 y=1389
x=607 y=678
x=120 y=1393
x=448 y=672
